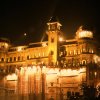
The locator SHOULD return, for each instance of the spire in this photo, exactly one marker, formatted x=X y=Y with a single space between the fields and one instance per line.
x=53 y=19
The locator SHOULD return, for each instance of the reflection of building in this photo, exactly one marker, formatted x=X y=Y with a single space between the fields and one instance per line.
x=69 y=63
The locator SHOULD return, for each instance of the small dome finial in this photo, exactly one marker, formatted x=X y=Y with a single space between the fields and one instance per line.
x=80 y=28
x=53 y=19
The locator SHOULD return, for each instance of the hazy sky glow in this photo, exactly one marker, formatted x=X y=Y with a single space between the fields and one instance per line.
x=30 y=17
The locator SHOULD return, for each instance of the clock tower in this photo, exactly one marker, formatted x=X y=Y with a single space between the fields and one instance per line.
x=53 y=33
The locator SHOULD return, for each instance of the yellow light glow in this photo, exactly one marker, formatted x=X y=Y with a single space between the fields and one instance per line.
x=96 y=59
x=44 y=44
x=19 y=49
x=22 y=70
x=25 y=34
x=70 y=72
x=87 y=34
x=34 y=69
x=51 y=71
x=6 y=45
x=60 y=39
x=95 y=73
x=44 y=69
x=82 y=70
x=12 y=77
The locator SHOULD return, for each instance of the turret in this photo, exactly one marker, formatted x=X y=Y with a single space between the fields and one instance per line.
x=4 y=44
x=83 y=33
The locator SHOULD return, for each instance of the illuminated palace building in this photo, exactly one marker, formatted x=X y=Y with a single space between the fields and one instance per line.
x=54 y=69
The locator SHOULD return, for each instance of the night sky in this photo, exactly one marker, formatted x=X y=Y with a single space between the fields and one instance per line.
x=18 y=17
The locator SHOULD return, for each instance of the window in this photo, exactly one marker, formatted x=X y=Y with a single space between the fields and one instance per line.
x=92 y=51
x=6 y=59
x=39 y=54
x=91 y=75
x=83 y=62
x=10 y=59
x=52 y=27
x=14 y=58
x=22 y=58
x=68 y=94
x=2 y=59
x=57 y=81
x=52 y=40
x=27 y=57
x=74 y=52
x=51 y=83
x=18 y=58
x=70 y=52
x=43 y=54
x=51 y=52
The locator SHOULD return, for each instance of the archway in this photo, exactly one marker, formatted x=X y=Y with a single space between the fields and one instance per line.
x=98 y=89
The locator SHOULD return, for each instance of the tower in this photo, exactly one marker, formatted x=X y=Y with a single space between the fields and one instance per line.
x=53 y=33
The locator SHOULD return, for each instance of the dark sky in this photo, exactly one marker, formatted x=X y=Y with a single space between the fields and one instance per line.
x=24 y=16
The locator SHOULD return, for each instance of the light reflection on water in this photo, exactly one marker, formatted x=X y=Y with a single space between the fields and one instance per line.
x=25 y=84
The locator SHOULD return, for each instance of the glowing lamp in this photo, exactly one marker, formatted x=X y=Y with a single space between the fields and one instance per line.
x=60 y=39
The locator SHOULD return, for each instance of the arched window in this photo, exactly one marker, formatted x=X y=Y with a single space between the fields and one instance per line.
x=28 y=57
x=18 y=58
x=52 y=40
x=51 y=53
x=14 y=58
x=2 y=59
x=83 y=62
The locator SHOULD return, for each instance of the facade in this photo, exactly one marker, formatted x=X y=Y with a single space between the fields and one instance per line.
x=52 y=69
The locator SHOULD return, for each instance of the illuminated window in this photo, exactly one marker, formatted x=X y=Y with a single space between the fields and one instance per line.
x=78 y=51
x=83 y=78
x=70 y=52
x=92 y=51
x=43 y=54
x=75 y=52
x=84 y=50
x=95 y=74
x=34 y=56
x=39 y=54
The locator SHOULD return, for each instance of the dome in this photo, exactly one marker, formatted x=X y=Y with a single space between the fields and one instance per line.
x=84 y=33
x=4 y=40
x=4 y=44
